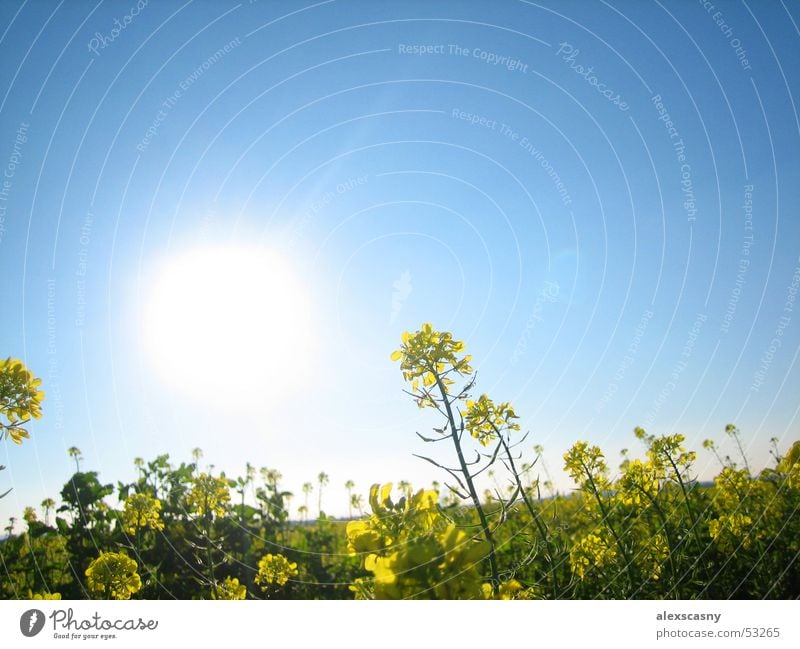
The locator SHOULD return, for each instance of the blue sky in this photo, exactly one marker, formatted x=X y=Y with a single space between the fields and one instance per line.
x=452 y=162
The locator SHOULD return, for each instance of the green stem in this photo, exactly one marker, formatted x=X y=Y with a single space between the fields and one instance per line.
x=741 y=452
x=670 y=544
x=137 y=548
x=607 y=522
x=209 y=557
x=683 y=490
x=692 y=517
x=534 y=514
x=487 y=532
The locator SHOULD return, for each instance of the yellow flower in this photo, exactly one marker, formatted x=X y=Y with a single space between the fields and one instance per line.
x=360 y=588
x=484 y=419
x=790 y=466
x=730 y=531
x=208 y=495
x=29 y=515
x=17 y=434
x=639 y=484
x=653 y=555
x=46 y=596
x=274 y=569
x=441 y=565
x=230 y=588
x=587 y=466
x=793 y=477
x=142 y=511
x=413 y=551
x=113 y=576
x=592 y=551
x=732 y=486
x=510 y=589
x=362 y=538
x=20 y=398
x=667 y=450
x=409 y=517
x=430 y=355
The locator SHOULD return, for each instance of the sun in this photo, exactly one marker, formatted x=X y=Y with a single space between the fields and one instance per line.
x=230 y=325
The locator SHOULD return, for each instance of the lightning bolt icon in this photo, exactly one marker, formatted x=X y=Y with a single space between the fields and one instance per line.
x=32 y=620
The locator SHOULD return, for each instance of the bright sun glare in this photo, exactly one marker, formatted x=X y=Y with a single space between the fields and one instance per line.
x=229 y=325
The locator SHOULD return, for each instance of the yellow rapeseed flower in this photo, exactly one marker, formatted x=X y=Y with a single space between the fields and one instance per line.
x=208 y=495
x=510 y=589
x=639 y=484
x=441 y=565
x=413 y=551
x=230 y=588
x=653 y=555
x=430 y=355
x=732 y=487
x=731 y=530
x=592 y=551
x=46 y=596
x=483 y=419
x=142 y=511
x=586 y=466
x=20 y=398
x=113 y=576
x=667 y=450
x=274 y=569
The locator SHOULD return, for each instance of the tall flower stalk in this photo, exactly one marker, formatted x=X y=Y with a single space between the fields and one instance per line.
x=428 y=360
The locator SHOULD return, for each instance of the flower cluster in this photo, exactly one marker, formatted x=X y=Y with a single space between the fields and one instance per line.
x=732 y=486
x=731 y=530
x=20 y=398
x=668 y=453
x=430 y=355
x=412 y=551
x=587 y=466
x=46 y=596
x=435 y=566
x=208 y=495
x=652 y=556
x=593 y=551
x=484 y=419
x=274 y=569
x=734 y=494
x=390 y=521
x=230 y=588
x=510 y=589
x=142 y=511
x=113 y=576
x=789 y=466
x=29 y=515
x=639 y=484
